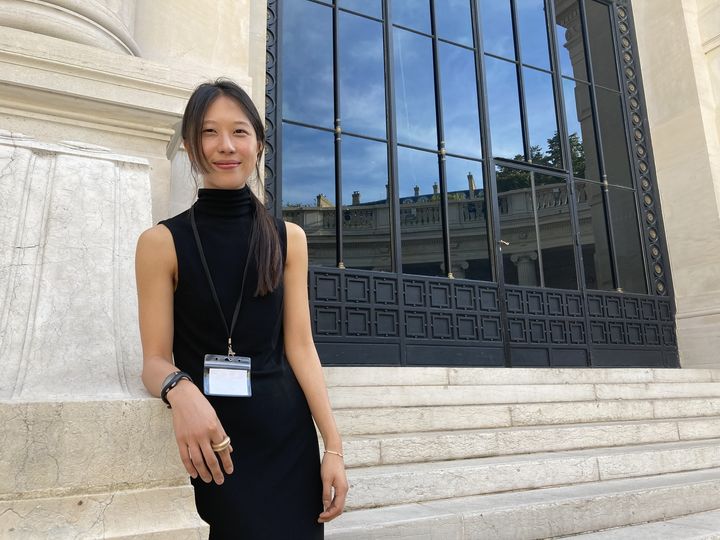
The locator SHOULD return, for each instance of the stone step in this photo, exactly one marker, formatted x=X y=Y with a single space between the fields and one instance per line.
x=438 y=376
x=700 y=526
x=418 y=482
x=359 y=397
x=387 y=449
x=449 y=417
x=539 y=513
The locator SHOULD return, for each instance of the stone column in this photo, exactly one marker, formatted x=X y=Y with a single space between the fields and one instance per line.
x=679 y=52
x=106 y=24
x=84 y=452
x=526 y=267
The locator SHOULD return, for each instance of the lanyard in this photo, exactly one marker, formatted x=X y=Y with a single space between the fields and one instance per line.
x=212 y=285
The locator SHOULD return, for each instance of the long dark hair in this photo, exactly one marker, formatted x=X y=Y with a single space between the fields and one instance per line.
x=266 y=242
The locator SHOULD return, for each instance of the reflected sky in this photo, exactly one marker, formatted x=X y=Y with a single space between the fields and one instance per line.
x=504 y=108
x=459 y=96
x=414 y=89
x=364 y=169
x=307 y=41
x=308 y=165
x=542 y=120
x=453 y=21
x=457 y=170
x=413 y=14
x=416 y=168
x=362 y=76
x=533 y=33
x=497 y=32
x=368 y=7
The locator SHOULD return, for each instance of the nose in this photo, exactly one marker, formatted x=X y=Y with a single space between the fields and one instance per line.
x=226 y=144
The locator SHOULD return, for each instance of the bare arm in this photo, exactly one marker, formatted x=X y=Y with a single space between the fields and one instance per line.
x=194 y=420
x=302 y=355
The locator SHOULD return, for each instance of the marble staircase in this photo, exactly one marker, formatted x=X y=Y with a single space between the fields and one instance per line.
x=472 y=453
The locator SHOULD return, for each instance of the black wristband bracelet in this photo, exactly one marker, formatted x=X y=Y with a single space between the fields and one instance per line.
x=171 y=381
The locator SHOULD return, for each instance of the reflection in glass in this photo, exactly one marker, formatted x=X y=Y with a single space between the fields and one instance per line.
x=362 y=76
x=365 y=212
x=414 y=89
x=533 y=33
x=555 y=231
x=602 y=49
x=517 y=226
x=420 y=222
x=569 y=37
x=581 y=131
x=308 y=188
x=459 y=99
x=628 y=245
x=308 y=93
x=413 y=14
x=504 y=109
x=541 y=118
x=497 y=28
x=467 y=216
x=614 y=141
x=453 y=21
x=593 y=236
x=368 y=7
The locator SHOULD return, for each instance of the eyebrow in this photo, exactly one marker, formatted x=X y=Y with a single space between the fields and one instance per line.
x=238 y=122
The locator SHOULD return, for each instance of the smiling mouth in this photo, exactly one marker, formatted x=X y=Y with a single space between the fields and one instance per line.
x=226 y=164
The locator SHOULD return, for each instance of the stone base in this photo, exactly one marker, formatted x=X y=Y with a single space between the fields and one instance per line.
x=99 y=469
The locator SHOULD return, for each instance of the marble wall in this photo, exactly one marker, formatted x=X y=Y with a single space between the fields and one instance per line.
x=679 y=49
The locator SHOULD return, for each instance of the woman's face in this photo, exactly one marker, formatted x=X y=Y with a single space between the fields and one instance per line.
x=229 y=144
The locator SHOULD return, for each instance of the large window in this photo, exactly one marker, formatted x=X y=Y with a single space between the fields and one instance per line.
x=418 y=136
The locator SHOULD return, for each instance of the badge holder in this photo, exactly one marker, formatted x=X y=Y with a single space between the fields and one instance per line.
x=226 y=375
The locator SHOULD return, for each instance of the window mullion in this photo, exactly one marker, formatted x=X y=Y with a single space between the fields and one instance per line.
x=338 y=142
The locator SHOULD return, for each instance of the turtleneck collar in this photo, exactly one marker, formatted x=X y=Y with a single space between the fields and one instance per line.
x=224 y=202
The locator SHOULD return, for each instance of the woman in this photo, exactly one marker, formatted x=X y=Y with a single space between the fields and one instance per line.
x=222 y=282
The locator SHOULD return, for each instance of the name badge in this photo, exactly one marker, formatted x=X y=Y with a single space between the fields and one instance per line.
x=227 y=376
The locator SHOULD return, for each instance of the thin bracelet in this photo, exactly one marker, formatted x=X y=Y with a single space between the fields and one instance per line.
x=333 y=452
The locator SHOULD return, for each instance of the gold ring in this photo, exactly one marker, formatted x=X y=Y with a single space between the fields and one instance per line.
x=222 y=445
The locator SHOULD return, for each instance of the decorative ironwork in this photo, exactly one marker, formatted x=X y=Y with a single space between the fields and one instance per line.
x=649 y=202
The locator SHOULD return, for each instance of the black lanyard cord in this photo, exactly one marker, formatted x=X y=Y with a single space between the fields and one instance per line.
x=212 y=285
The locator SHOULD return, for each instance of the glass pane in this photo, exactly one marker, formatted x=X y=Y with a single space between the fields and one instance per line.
x=612 y=131
x=461 y=120
x=307 y=40
x=517 y=226
x=362 y=76
x=556 y=240
x=366 y=212
x=308 y=188
x=602 y=49
x=593 y=236
x=467 y=215
x=628 y=245
x=541 y=118
x=504 y=109
x=581 y=131
x=413 y=14
x=533 y=32
x=368 y=7
x=420 y=224
x=497 y=29
x=569 y=39
x=414 y=89
x=453 y=21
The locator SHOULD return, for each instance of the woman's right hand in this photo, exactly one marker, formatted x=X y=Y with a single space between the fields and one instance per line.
x=197 y=427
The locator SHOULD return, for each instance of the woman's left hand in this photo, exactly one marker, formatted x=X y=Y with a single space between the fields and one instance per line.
x=332 y=473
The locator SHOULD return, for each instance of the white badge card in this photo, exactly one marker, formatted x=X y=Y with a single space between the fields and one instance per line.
x=227 y=376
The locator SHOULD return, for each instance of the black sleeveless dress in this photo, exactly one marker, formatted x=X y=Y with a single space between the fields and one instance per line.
x=275 y=490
